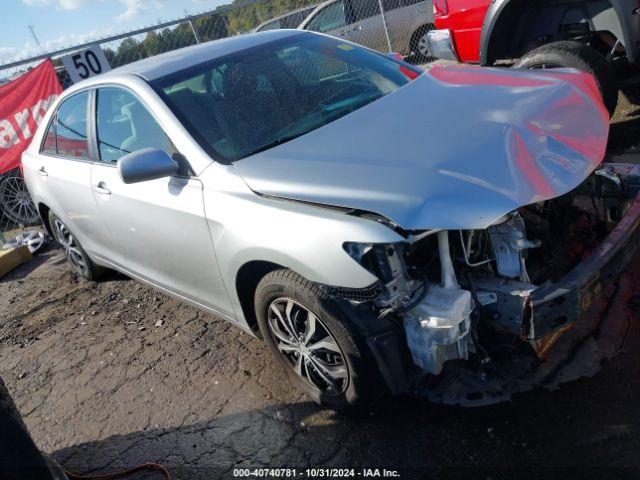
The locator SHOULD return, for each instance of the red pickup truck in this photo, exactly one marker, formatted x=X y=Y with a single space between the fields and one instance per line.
x=601 y=37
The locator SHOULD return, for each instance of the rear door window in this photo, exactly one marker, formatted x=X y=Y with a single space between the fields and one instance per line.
x=273 y=25
x=71 y=127
x=363 y=9
x=291 y=21
x=329 y=18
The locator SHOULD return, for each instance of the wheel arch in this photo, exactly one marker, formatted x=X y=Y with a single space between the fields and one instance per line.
x=44 y=210
x=418 y=32
x=247 y=279
x=505 y=27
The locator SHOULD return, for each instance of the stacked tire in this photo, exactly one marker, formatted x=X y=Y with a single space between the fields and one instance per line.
x=571 y=54
x=16 y=205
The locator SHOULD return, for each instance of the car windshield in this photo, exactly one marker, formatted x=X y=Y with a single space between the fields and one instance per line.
x=261 y=97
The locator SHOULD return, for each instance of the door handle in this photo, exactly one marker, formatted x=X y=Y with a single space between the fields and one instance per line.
x=102 y=189
x=43 y=172
x=357 y=28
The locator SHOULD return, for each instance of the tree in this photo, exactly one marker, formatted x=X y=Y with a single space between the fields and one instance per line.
x=211 y=27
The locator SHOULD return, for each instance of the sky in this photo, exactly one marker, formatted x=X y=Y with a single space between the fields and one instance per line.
x=61 y=23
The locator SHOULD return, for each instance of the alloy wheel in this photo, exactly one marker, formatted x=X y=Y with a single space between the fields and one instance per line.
x=16 y=201
x=71 y=248
x=308 y=346
x=423 y=46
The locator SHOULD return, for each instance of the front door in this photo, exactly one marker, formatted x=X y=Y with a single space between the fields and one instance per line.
x=332 y=20
x=158 y=228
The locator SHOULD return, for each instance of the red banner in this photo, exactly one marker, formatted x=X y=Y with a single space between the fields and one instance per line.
x=23 y=103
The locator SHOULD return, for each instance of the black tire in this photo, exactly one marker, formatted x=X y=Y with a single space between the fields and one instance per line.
x=580 y=56
x=15 y=201
x=76 y=255
x=364 y=383
x=421 y=54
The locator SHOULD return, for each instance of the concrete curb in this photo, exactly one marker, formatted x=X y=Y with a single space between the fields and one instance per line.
x=10 y=259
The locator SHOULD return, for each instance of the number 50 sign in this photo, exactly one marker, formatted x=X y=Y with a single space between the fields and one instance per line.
x=85 y=64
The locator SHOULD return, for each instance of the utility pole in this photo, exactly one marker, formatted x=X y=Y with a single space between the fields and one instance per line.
x=192 y=25
x=384 y=24
x=35 y=37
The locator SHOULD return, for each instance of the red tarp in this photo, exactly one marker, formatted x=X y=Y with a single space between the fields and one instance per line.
x=23 y=103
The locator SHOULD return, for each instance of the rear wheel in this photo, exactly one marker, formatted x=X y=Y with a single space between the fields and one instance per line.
x=319 y=348
x=576 y=55
x=76 y=256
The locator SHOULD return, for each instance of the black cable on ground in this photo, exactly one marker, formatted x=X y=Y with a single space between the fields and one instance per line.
x=123 y=473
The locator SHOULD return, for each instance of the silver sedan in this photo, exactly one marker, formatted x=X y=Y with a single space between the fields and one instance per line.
x=366 y=219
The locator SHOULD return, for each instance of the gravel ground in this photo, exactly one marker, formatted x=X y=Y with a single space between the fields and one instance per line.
x=112 y=374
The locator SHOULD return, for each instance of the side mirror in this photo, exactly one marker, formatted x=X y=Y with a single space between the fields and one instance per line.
x=146 y=164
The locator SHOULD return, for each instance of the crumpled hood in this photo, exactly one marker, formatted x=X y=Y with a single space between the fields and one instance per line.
x=457 y=148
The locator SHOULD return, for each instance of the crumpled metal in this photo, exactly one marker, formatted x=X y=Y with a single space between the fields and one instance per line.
x=457 y=148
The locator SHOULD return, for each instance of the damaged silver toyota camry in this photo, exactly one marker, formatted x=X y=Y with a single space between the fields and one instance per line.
x=451 y=232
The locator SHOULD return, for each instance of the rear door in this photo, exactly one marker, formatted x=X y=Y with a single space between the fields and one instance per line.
x=157 y=228
x=64 y=169
x=367 y=27
x=404 y=18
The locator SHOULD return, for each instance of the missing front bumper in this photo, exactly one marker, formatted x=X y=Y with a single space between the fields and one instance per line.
x=576 y=324
x=560 y=305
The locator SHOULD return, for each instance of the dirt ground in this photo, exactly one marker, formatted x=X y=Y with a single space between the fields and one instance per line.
x=112 y=374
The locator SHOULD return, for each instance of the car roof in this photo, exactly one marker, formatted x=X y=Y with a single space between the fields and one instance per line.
x=167 y=63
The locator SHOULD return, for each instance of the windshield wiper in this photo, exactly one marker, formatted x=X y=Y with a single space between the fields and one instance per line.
x=274 y=143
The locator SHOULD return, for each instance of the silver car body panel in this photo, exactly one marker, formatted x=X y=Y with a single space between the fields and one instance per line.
x=457 y=148
x=190 y=237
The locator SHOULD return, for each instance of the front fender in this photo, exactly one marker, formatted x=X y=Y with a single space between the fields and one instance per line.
x=247 y=227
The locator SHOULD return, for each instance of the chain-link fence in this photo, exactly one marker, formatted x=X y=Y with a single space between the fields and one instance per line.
x=384 y=25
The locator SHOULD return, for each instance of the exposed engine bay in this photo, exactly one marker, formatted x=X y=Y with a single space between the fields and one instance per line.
x=481 y=310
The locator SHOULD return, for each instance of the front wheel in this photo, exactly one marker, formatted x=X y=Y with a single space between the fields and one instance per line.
x=576 y=55
x=319 y=348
